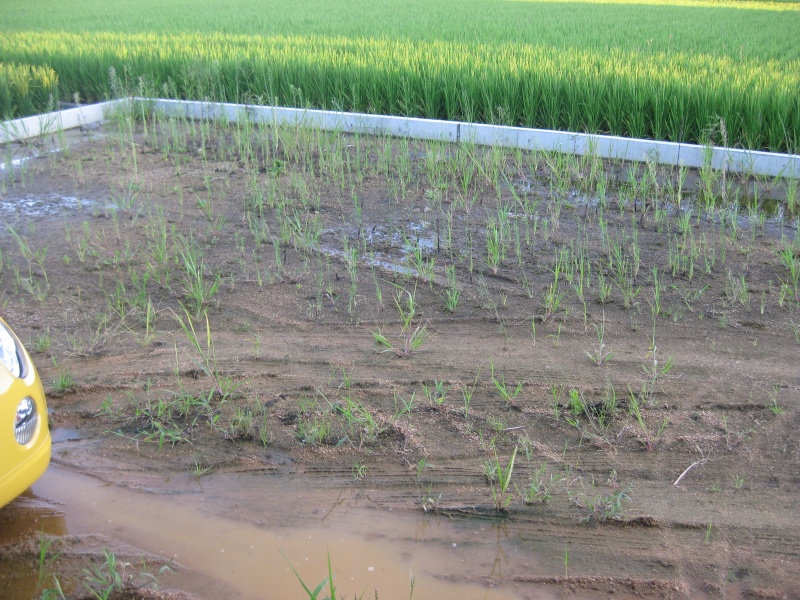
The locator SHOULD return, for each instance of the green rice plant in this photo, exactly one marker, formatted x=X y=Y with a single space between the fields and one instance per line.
x=495 y=246
x=689 y=296
x=451 y=298
x=577 y=402
x=601 y=355
x=41 y=343
x=26 y=90
x=149 y=322
x=206 y=207
x=163 y=432
x=315 y=593
x=795 y=327
x=36 y=282
x=791 y=194
x=708 y=533
x=436 y=393
x=105 y=578
x=378 y=289
x=736 y=289
x=38 y=290
x=33 y=257
x=172 y=419
x=264 y=433
x=683 y=221
x=553 y=297
x=658 y=288
x=359 y=471
x=313 y=426
x=412 y=340
x=601 y=507
x=82 y=244
x=125 y=198
x=64 y=383
x=198 y=292
x=677 y=258
x=241 y=425
x=654 y=372
x=411 y=337
x=206 y=360
x=200 y=470
x=306 y=229
x=636 y=410
x=774 y=407
x=555 y=395
x=582 y=280
x=497 y=424
x=646 y=436
x=452 y=294
x=506 y=391
x=541 y=489
x=44 y=573
x=500 y=481
x=791 y=262
x=425 y=267
x=622 y=271
x=347 y=380
x=604 y=289
x=360 y=421
x=404 y=407
x=599 y=415
x=112 y=577
x=350 y=255
x=84 y=342
x=468 y=391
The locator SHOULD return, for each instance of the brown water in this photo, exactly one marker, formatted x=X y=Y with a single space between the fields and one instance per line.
x=282 y=521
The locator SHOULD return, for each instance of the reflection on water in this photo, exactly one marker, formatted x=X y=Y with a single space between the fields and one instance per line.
x=64 y=434
x=238 y=534
x=22 y=522
x=28 y=516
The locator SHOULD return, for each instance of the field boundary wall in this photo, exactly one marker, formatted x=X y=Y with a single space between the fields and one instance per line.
x=604 y=146
x=27 y=128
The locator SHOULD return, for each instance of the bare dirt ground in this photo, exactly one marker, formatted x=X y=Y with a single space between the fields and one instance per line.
x=596 y=339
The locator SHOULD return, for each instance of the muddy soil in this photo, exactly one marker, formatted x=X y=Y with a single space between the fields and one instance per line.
x=253 y=330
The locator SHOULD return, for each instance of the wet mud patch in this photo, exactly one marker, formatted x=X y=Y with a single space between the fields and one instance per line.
x=265 y=341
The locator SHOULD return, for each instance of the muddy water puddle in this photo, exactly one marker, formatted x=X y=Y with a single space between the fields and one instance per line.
x=282 y=520
x=53 y=204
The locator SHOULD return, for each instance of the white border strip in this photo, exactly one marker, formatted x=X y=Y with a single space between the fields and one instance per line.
x=605 y=146
x=39 y=125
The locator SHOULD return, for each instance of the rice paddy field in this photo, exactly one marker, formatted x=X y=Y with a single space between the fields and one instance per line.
x=398 y=369
x=725 y=72
x=281 y=360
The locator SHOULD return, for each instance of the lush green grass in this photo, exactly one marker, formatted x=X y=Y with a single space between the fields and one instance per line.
x=667 y=70
x=26 y=89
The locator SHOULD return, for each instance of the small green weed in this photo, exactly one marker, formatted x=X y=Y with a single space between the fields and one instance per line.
x=435 y=393
x=601 y=507
x=506 y=391
x=63 y=383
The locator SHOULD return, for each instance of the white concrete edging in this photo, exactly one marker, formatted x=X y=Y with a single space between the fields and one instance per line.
x=605 y=146
x=39 y=125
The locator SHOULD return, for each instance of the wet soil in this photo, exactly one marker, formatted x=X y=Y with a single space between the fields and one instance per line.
x=287 y=429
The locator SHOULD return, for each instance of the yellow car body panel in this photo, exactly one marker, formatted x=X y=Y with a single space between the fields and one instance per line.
x=21 y=465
